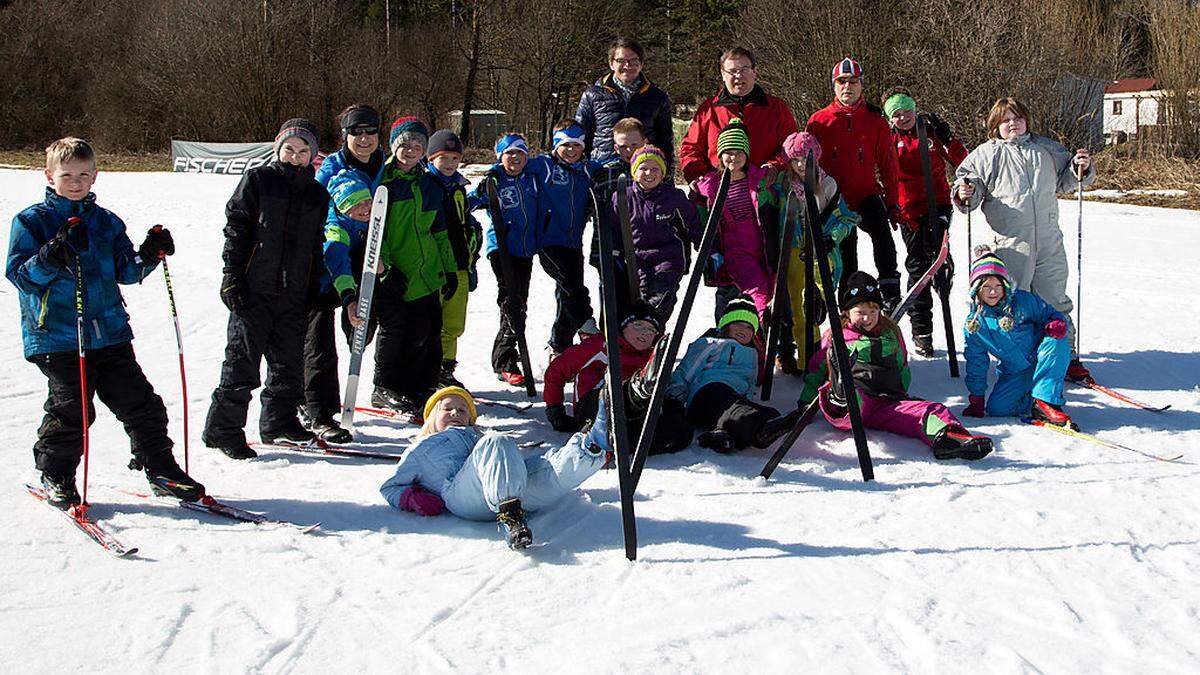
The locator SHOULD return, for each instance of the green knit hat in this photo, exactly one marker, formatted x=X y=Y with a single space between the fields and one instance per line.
x=733 y=137
x=348 y=190
x=898 y=102
x=739 y=309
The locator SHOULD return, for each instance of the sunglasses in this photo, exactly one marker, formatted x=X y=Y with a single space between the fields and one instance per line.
x=362 y=130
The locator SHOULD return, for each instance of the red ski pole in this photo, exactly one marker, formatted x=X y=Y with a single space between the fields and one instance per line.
x=179 y=344
x=73 y=222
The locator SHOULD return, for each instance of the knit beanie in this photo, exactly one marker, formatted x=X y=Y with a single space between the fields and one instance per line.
x=987 y=264
x=733 y=137
x=347 y=189
x=739 y=309
x=847 y=67
x=442 y=393
x=361 y=117
x=798 y=145
x=297 y=127
x=406 y=129
x=648 y=153
x=899 y=101
x=511 y=142
x=860 y=287
x=571 y=134
x=442 y=142
x=641 y=310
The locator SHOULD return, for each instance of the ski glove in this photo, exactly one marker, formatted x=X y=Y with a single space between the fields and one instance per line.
x=421 y=501
x=59 y=252
x=560 y=420
x=975 y=409
x=940 y=128
x=450 y=287
x=232 y=293
x=1056 y=328
x=158 y=244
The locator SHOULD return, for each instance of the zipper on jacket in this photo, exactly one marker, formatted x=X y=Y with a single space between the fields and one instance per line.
x=253 y=252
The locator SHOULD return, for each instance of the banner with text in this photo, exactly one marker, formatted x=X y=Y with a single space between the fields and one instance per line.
x=198 y=157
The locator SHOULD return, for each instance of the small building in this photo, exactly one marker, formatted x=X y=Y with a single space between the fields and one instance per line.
x=486 y=125
x=1130 y=106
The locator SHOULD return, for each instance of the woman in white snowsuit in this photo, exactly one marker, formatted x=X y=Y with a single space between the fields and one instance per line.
x=482 y=475
x=1016 y=176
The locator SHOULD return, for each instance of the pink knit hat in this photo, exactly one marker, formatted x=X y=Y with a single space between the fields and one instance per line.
x=798 y=145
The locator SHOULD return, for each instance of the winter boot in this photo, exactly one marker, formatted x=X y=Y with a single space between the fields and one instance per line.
x=167 y=479
x=776 y=427
x=513 y=377
x=386 y=399
x=1077 y=372
x=60 y=491
x=955 y=442
x=786 y=361
x=330 y=431
x=291 y=432
x=446 y=375
x=717 y=441
x=237 y=450
x=923 y=345
x=1051 y=414
x=512 y=518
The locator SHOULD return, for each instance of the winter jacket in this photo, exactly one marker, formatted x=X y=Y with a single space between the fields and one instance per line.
x=1016 y=348
x=585 y=365
x=782 y=205
x=879 y=364
x=342 y=159
x=46 y=292
x=432 y=462
x=415 y=243
x=344 y=236
x=742 y=244
x=856 y=142
x=768 y=121
x=713 y=358
x=663 y=223
x=520 y=202
x=566 y=201
x=603 y=105
x=462 y=230
x=274 y=230
x=911 y=184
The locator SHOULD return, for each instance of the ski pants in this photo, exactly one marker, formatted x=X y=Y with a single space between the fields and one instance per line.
x=912 y=418
x=321 y=381
x=496 y=470
x=718 y=407
x=1013 y=393
x=454 y=317
x=114 y=375
x=875 y=223
x=513 y=304
x=659 y=291
x=408 y=348
x=1037 y=262
x=922 y=251
x=271 y=327
x=760 y=293
x=806 y=330
x=574 y=306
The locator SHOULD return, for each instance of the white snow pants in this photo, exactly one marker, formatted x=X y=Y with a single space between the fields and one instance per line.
x=1037 y=262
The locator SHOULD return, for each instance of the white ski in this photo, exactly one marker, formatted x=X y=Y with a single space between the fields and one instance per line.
x=366 y=290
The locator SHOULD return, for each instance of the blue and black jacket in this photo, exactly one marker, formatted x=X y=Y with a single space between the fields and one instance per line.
x=520 y=202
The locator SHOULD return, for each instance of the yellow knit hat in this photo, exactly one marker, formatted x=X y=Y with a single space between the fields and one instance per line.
x=438 y=395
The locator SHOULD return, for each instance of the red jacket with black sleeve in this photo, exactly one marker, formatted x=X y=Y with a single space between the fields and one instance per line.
x=585 y=365
x=768 y=122
x=913 y=203
x=857 y=150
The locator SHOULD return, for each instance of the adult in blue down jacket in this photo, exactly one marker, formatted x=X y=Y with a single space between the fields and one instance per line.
x=477 y=475
x=625 y=92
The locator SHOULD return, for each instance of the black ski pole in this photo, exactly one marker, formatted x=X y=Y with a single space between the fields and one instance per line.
x=942 y=280
x=626 y=236
x=779 y=300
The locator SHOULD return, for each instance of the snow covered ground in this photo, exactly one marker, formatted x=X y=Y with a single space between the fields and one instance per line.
x=1051 y=555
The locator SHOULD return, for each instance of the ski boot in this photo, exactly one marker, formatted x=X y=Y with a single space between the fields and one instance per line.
x=776 y=427
x=717 y=441
x=237 y=451
x=1078 y=373
x=324 y=426
x=60 y=491
x=955 y=442
x=923 y=345
x=512 y=518
x=513 y=377
x=446 y=375
x=291 y=432
x=167 y=479
x=889 y=288
x=1051 y=414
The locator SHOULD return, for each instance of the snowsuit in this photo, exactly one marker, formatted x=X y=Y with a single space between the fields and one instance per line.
x=273 y=236
x=856 y=143
x=881 y=379
x=519 y=198
x=474 y=471
x=714 y=381
x=603 y=104
x=768 y=122
x=1016 y=182
x=566 y=203
x=465 y=239
x=922 y=237
x=46 y=295
x=741 y=241
x=1031 y=363
x=662 y=224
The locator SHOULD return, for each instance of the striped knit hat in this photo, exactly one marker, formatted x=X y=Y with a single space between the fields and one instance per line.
x=847 y=67
x=297 y=127
x=739 y=309
x=406 y=129
x=348 y=190
x=648 y=153
x=988 y=264
x=733 y=137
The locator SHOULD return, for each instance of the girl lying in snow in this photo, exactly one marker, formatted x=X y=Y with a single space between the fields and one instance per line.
x=482 y=475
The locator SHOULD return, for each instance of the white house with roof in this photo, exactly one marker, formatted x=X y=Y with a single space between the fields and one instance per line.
x=1131 y=105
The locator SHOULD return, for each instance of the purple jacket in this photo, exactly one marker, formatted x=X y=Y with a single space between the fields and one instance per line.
x=663 y=222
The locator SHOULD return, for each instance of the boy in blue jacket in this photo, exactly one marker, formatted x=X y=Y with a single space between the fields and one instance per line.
x=519 y=193
x=1026 y=335
x=54 y=243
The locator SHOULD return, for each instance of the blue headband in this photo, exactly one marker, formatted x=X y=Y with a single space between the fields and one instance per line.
x=511 y=142
x=572 y=134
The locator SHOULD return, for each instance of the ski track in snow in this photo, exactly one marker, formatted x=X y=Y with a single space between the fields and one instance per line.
x=1051 y=555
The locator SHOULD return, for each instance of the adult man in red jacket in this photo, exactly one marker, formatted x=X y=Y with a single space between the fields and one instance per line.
x=857 y=150
x=768 y=119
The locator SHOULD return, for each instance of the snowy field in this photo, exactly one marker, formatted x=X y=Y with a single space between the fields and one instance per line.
x=1051 y=555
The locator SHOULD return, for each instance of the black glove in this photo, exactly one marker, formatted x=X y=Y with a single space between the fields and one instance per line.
x=58 y=252
x=158 y=244
x=941 y=128
x=560 y=420
x=232 y=292
x=450 y=287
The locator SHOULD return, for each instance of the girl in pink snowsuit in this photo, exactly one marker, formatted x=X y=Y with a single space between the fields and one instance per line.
x=739 y=262
x=879 y=363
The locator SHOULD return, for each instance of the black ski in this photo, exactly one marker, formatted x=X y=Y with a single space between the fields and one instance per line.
x=626 y=237
x=840 y=355
x=667 y=362
x=506 y=270
x=779 y=299
x=617 y=429
x=942 y=279
x=790 y=439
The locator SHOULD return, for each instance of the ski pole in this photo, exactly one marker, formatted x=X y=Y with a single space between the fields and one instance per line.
x=179 y=344
x=72 y=223
x=1079 y=263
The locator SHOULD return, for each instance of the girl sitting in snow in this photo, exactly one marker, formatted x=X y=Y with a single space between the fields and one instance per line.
x=1026 y=335
x=879 y=362
x=477 y=475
